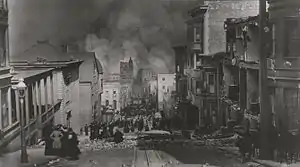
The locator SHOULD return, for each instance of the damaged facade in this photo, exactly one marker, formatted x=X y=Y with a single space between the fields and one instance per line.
x=206 y=44
x=241 y=70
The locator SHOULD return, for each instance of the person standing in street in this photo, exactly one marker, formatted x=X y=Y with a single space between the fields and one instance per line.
x=56 y=136
x=86 y=130
x=72 y=145
x=118 y=136
x=48 y=140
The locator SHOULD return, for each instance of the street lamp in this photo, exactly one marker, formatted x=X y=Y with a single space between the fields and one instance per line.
x=21 y=88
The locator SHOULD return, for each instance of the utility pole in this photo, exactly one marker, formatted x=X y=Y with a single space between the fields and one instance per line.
x=265 y=110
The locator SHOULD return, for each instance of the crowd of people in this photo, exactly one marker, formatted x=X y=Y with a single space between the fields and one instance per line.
x=116 y=128
x=61 y=141
x=284 y=146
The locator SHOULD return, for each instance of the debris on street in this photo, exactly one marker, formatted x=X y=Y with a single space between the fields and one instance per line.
x=230 y=141
x=98 y=145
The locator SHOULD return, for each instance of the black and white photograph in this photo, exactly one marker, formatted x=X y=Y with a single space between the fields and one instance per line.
x=149 y=83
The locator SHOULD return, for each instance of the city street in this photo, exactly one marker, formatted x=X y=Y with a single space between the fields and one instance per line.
x=178 y=155
x=149 y=83
x=108 y=158
x=172 y=155
x=196 y=155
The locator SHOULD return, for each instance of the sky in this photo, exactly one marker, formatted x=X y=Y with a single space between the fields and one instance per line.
x=117 y=29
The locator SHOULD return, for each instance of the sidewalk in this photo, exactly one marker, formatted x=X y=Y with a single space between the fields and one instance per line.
x=267 y=163
x=35 y=156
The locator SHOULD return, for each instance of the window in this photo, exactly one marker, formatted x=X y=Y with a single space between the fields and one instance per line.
x=292 y=40
x=192 y=63
x=211 y=79
x=291 y=101
x=198 y=33
x=114 y=92
x=13 y=106
x=115 y=104
x=2 y=58
x=239 y=32
x=67 y=77
x=4 y=107
x=199 y=61
x=273 y=40
x=164 y=87
x=198 y=87
x=101 y=83
x=191 y=84
x=106 y=102
x=163 y=78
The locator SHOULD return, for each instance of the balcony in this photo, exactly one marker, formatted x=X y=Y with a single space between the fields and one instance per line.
x=3 y=11
x=31 y=128
x=197 y=47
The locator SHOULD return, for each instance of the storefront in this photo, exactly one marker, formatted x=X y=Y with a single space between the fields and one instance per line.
x=284 y=74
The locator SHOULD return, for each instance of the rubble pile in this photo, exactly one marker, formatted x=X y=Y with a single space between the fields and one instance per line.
x=230 y=141
x=98 y=145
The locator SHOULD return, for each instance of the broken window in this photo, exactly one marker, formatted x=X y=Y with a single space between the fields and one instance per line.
x=292 y=38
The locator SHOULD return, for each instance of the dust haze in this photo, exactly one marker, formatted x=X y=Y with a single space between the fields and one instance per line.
x=115 y=29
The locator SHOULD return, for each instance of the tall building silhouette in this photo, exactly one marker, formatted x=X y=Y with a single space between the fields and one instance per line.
x=126 y=81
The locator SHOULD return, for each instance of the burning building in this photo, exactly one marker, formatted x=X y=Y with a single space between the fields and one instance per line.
x=126 y=79
x=166 y=85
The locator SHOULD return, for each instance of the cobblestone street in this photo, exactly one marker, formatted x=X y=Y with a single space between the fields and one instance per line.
x=177 y=155
x=111 y=158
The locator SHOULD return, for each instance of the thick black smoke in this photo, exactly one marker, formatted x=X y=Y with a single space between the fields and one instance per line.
x=142 y=29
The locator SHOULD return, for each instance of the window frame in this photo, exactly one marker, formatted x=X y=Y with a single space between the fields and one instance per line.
x=291 y=36
x=292 y=109
x=5 y=121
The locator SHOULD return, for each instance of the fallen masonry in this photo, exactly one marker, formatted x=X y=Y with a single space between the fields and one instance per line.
x=98 y=145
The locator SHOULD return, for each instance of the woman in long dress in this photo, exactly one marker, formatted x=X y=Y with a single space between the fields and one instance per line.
x=72 y=145
x=56 y=136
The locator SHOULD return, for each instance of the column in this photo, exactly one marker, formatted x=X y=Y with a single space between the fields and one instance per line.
x=34 y=99
x=52 y=90
x=9 y=107
x=0 y=110
x=39 y=104
x=46 y=93
x=27 y=106
x=17 y=105
x=39 y=97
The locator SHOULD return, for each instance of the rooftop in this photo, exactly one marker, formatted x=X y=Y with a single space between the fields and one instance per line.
x=86 y=68
x=242 y=20
x=42 y=51
x=28 y=72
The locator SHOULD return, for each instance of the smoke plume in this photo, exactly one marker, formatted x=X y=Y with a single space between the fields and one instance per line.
x=145 y=30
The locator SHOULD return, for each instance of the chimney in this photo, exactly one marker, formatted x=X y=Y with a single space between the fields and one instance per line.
x=70 y=48
x=42 y=41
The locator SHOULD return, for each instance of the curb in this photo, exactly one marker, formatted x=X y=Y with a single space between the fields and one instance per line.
x=253 y=160
x=30 y=164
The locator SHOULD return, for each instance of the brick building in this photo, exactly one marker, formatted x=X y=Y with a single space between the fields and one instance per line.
x=206 y=39
x=241 y=69
x=283 y=74
x=126 y=81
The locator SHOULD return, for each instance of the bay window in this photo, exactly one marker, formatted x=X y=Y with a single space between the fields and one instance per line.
x=13 y=106
x=291 y=102
x=4 y=108
x=211 y=82
x=292 y=38
x=198 y=33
